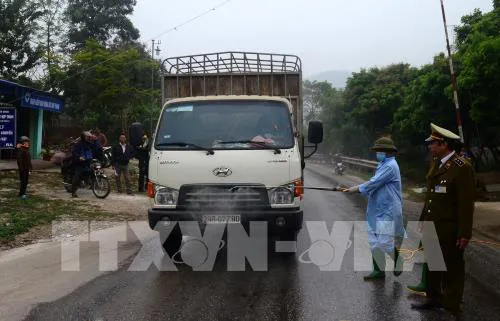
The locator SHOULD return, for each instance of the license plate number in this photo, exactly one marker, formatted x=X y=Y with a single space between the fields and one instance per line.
x=221 y=219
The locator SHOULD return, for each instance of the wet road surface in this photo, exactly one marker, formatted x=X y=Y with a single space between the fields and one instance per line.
x=289 y=290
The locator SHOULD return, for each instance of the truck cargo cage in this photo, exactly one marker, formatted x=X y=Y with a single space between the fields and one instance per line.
x=235 y=73
x=233 y=62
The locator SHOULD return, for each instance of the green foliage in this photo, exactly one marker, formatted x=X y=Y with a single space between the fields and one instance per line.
x=101 y=20
x=427 y=99
x=480 y=76
x=402 y=101
x=374 y=95
x=107 y=86
x=18 y=24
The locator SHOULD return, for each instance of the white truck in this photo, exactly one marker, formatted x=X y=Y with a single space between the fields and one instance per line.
x=229 y=143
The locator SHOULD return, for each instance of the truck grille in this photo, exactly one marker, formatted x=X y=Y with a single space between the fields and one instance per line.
x=223 y=197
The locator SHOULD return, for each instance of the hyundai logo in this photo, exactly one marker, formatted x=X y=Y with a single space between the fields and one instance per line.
x=222 y=172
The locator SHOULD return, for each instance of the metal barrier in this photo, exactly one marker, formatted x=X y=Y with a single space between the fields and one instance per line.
x=488 y=188
x=361 y=163
x=349 y=161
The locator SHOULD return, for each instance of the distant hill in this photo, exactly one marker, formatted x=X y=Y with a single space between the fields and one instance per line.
x=337 y=78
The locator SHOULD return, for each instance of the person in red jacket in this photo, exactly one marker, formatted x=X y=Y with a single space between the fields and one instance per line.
x=23 y=164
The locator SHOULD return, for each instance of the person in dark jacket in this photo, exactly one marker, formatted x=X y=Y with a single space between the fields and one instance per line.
x=122 y=153
x=142 y=154
x=23 y=164
x=83 y=153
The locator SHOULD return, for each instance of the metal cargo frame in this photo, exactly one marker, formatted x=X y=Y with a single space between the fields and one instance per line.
x=235 y=73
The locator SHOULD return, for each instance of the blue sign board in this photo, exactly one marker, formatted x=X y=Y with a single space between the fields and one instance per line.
x=35 y=100
x=7 y=127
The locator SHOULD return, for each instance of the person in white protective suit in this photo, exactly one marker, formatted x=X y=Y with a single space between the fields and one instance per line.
x=384 y=214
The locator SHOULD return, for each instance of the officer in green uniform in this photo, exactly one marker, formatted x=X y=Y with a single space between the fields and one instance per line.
x=449 y=204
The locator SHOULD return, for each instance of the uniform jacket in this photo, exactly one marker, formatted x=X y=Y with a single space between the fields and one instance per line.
x=450 y=195
x=385 y=209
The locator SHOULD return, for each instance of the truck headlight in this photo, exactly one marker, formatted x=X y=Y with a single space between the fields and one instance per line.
x=281 y=195
x=166 y=196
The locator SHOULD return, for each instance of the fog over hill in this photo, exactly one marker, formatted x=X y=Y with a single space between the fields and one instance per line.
x=337 y=78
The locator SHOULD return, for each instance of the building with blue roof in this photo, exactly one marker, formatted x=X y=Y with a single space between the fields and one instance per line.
x=21 y=114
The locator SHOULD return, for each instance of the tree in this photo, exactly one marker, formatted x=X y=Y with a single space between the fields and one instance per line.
x=323 y=101
x=102 y=20
x=480 y=74
x=18 y=24
x=106 y=86
x=373 y=96
x=314 y=93
x=465 y=29
x=427 y=99
x=50 y=37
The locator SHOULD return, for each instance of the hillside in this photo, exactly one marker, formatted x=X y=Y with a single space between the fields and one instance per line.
x=337 y=78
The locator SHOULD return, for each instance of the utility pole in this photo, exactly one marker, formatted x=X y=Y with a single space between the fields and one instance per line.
x=153 y=81
x=453 y=77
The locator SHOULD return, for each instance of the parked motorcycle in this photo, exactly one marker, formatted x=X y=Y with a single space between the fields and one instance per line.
x=96 y=179
x=339 y=168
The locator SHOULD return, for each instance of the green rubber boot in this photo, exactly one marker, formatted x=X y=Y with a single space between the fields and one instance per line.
x=423 y=282
x=398 y=263
x=377 y=273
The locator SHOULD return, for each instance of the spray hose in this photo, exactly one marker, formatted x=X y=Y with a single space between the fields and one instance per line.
x=409 y=254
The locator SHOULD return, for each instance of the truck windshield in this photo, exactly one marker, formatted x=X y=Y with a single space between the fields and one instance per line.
x=225 y=125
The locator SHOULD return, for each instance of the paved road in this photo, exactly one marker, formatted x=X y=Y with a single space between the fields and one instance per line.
x=289 y=290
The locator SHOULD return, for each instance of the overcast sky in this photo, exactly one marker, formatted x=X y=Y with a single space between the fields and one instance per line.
x=326 y=34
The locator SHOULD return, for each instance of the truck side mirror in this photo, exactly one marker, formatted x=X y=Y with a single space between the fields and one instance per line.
x=315 y=132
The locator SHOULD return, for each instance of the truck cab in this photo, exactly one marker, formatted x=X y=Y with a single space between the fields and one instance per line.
x=228 y=146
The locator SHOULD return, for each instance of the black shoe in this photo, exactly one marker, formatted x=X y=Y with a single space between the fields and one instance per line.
x=429 y=305
x=74 y=195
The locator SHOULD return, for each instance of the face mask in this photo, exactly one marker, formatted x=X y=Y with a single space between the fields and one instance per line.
x=380 y=156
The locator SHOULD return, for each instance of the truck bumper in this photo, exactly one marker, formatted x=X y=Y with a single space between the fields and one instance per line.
x=291 y=218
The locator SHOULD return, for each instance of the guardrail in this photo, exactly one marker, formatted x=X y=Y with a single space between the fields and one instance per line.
x=357 y=163
x=486 y=189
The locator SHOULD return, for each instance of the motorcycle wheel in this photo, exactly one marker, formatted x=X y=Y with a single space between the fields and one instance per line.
x=101 y=187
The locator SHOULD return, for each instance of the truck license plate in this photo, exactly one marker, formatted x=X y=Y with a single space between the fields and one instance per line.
x=221 y=219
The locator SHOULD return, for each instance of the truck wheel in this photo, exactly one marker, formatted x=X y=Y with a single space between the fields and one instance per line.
x=173 y=242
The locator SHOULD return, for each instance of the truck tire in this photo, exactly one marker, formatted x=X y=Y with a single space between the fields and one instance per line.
x=173 y=242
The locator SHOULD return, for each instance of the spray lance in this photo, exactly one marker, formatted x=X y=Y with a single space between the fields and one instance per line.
x=338 y=188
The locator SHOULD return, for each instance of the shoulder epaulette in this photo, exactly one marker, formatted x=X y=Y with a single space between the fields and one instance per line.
x=459 y=161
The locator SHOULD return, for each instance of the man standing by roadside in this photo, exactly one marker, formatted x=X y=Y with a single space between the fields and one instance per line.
x=384 y=214
x=142 y=154
x=23 y=164
x=121 y=155
x=449 y=204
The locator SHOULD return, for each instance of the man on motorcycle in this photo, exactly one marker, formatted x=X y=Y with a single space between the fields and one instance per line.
x=83 y=153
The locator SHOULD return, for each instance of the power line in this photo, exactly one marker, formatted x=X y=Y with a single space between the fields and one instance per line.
x=192 y=19
x=175 y=28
